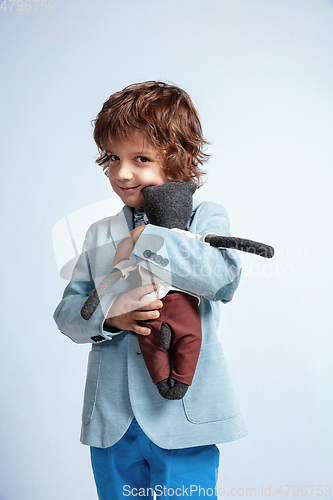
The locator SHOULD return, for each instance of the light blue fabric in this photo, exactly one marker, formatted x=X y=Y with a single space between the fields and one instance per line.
x=136 y=467
x=118 y=383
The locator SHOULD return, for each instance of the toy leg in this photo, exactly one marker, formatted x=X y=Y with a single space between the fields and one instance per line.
x=182 y=317
x=179 y=318
x=156 y=357
x=165 y=334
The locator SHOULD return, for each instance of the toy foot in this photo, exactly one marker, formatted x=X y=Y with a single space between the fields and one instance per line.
x=164 y=387
x=165 y=333
x=178 y=390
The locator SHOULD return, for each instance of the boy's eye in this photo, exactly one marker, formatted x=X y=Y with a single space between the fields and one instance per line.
x=142 y=159
x=113 y=158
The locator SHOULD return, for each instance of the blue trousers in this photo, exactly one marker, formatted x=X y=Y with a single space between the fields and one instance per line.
x=135 y=467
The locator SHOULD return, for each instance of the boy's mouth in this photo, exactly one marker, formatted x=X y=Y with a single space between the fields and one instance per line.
x=128 y=189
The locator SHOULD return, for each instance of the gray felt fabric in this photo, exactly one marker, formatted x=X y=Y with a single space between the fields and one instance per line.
x=91 y=304
x=249 y=246
x=177 y=391
x=169 y=205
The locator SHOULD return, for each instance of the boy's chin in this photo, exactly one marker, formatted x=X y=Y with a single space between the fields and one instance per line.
x=134 y=204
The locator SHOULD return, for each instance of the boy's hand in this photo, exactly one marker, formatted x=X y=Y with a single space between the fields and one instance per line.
x=127 y=310
x=125 y=247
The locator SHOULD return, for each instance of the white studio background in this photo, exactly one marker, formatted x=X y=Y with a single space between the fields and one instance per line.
x=260 y=73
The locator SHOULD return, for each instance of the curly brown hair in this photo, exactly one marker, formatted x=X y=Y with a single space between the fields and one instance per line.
x=165 y=114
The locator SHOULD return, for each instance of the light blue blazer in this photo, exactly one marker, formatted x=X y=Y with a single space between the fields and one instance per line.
x=118 y=384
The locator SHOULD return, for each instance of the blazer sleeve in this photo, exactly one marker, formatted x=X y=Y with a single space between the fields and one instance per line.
x=189 y=264
x=67 y=315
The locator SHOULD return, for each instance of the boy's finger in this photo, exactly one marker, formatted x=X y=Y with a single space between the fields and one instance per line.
x=146 y=315
x=140 y=330
x=157 y=304
x=145 y=289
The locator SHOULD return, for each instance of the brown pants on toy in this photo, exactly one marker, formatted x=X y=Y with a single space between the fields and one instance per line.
x=180 y=313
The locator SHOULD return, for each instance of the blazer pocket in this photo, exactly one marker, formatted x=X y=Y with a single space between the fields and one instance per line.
x=210 y=397
x=90 y=392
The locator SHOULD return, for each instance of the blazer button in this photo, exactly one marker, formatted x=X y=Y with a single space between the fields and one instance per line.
x=98 y=338
x=147 y=254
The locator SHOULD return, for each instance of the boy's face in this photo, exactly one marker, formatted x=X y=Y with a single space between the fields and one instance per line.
x=134 y=164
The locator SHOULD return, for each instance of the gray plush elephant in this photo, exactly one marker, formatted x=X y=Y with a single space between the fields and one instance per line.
x=170 y=354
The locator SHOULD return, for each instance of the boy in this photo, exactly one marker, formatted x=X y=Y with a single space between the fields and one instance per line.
x=150 y=134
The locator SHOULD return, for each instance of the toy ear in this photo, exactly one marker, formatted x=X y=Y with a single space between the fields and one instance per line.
x=169 y=205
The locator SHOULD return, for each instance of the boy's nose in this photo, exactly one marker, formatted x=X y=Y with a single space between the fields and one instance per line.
x=124 y=172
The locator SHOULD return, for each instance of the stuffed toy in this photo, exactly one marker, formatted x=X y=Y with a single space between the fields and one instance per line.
x=172 y=349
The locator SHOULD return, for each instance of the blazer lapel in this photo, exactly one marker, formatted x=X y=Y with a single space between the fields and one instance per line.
x=189 y=227
x=121 y=224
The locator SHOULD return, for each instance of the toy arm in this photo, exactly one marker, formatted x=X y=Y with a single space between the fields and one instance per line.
x=68 y=313
x=190 y=264
x=242 y=244
x=120 y=271
x=91 y=304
